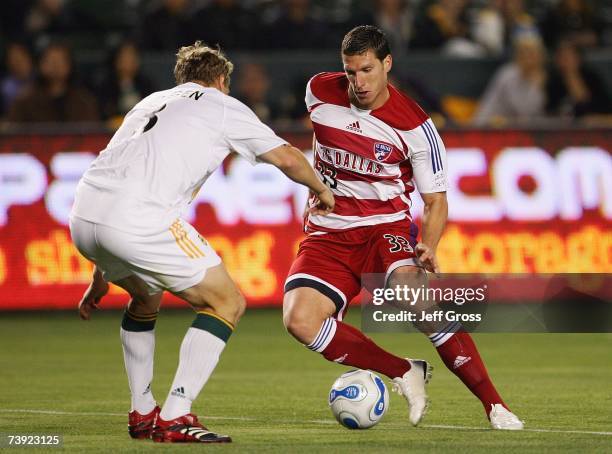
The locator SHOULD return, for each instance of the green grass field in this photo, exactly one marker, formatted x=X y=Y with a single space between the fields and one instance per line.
x=62 y=375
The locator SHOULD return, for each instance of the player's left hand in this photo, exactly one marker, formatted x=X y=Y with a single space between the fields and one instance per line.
x=306 y=211
x=427 y=258
x=324 y=203
x=92 y=297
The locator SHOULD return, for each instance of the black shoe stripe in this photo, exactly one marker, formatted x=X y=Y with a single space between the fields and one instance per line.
x=199 y=433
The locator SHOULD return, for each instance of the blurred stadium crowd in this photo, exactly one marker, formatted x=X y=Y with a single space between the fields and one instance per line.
x=84 y=60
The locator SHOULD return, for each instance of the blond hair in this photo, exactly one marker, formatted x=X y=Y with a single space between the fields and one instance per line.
x=203 y=63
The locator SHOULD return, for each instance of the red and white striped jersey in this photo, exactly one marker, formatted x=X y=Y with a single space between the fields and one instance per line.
x=371 y=158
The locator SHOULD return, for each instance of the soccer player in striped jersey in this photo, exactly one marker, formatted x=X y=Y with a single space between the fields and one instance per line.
x=127 y=219
x=371 y=145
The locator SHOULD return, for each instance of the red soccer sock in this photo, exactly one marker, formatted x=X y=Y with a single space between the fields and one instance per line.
x=345 y=344
x=461 y=357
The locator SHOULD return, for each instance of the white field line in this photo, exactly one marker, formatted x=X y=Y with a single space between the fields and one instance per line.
x=85 y=413
x=554 y=431
x=316 y=421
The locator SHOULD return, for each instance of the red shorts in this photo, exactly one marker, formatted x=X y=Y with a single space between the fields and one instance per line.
x=333 y=263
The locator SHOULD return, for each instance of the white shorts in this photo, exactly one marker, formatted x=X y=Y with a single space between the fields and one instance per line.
x=173 y=260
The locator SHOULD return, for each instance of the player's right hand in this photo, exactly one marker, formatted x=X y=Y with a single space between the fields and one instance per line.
x=427 y=258
x=92 y=297
x=324 y=203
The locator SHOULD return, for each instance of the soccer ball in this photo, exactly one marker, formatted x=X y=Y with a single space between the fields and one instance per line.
x=359 y=399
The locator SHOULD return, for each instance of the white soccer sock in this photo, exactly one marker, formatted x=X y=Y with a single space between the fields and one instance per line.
x=138 y=352
x=198 y=358
x=324 y=336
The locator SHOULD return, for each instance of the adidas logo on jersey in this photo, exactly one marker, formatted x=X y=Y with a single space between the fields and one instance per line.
x=354 y=127
x=460 y=361
x=178 y=392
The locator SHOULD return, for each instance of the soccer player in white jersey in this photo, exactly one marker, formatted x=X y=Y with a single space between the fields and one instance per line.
x=126 y=219
x=371 y=144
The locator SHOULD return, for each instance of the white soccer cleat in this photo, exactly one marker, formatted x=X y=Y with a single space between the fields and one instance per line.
x=412 y=386
x=503 y=419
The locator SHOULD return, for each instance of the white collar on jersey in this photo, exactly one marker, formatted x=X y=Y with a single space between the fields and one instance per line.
x=356 y=110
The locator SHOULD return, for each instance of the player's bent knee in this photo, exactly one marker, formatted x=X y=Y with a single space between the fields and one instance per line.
x=240 y=307
x=407 y=274
x=229 y=305
x=301 y=321
x=138 y=305
x=300 y=327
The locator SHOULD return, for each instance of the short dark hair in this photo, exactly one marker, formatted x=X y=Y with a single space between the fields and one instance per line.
x=363 y=38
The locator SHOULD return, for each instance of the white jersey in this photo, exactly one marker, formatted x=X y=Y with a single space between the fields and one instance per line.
x=371 y=159
x=166 y=148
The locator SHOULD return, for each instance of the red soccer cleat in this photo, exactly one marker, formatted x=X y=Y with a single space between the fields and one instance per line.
x=185 y=429
x=140 y=426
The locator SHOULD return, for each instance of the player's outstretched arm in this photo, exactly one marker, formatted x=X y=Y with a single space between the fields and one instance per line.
x=292 y=163
x=435 y=214
x=92 y=296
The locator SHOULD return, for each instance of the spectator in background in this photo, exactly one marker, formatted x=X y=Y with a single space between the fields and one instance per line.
x=396 y=19
x=252 y=89
x=573 y=89
x=167 y=27
x=295 y=28
x=343 y=15
x=52 y=17
x=444 y=26
x=498 y=22
x=291 y=103
x=12 y=19
x=438 y=22
x=418 y=90
x=517 y=92
x=227 y=23
x=124 y=85
x=19 y=74
x=54 y=97
x=574 y=20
